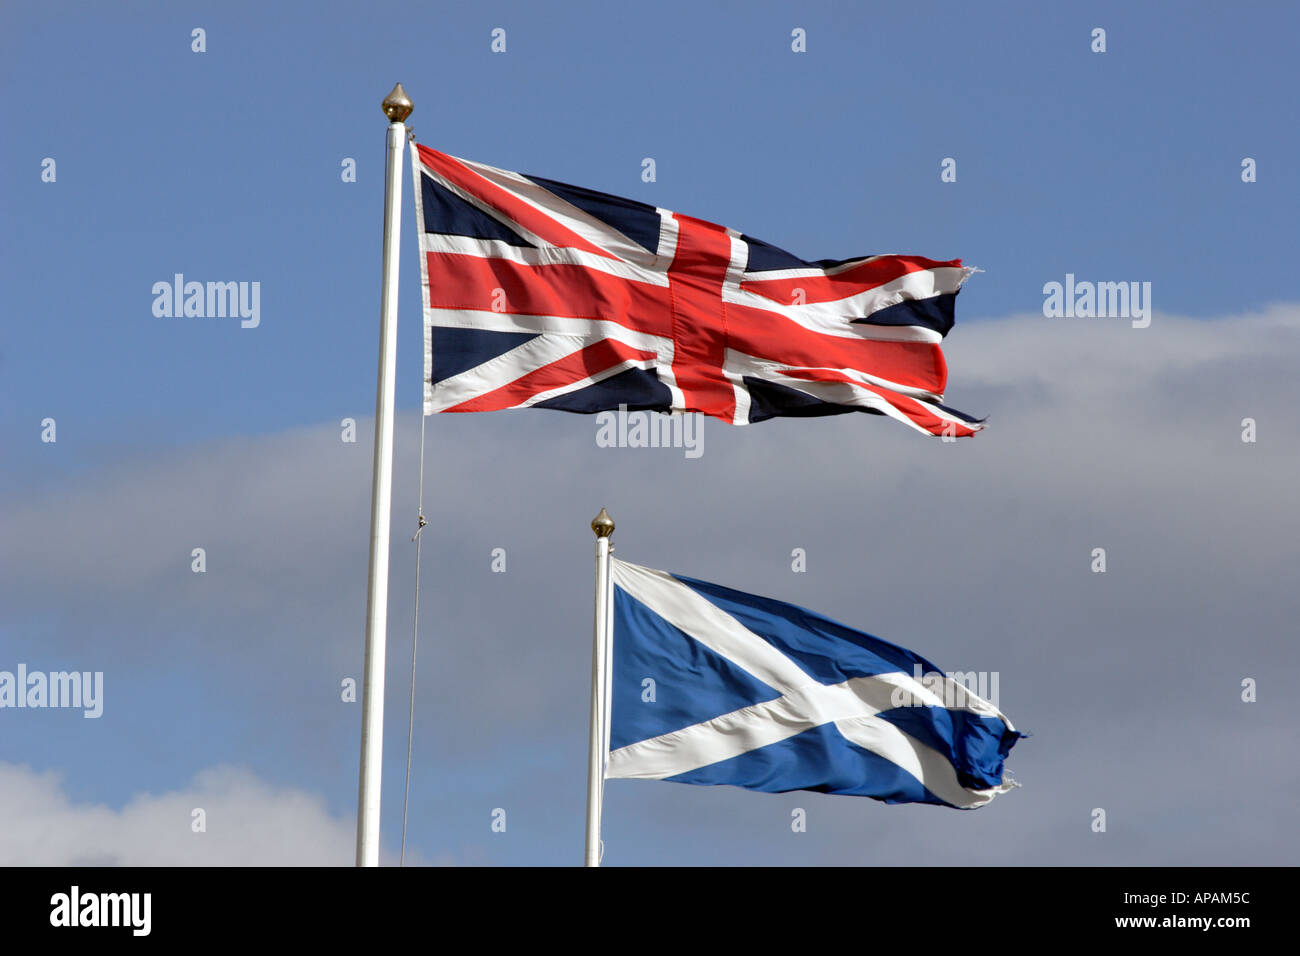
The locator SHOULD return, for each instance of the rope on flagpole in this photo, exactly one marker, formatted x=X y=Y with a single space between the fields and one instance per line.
x=418 y=538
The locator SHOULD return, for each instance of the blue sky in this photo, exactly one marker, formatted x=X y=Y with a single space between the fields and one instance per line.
x=176 y=433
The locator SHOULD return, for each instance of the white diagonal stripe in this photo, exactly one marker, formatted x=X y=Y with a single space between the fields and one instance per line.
x=835 y=317
x=955 y=696
x=557 y=339
x=923 y=762
x=591 y=379
x=596 y=231
x=713 y=627
x=852 y=706
x=546 y=255
x=758 y=725
x=504 y=369
x=846 y=393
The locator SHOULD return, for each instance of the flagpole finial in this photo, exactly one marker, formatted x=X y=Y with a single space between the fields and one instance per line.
x=397 y=106
x=602 y=524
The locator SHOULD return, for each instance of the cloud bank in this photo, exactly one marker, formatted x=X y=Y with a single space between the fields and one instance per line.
x=976 y=554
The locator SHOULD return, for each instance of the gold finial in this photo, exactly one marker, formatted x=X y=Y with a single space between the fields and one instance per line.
x=602 y=524
x=397 y=105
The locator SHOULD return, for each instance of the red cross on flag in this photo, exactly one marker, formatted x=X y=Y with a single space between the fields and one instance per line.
x=539 y=294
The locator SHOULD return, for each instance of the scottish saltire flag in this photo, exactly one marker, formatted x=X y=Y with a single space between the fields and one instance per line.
x=715 y=686
x=539 y=294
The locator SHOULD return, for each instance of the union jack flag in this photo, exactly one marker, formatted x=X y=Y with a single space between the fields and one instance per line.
x=544 y=295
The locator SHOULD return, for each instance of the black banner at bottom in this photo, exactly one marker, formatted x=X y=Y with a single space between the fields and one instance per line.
x=906 y=905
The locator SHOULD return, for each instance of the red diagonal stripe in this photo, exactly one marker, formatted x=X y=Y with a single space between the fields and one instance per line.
x=913 y=409
x=592 y=360
x=539 y=223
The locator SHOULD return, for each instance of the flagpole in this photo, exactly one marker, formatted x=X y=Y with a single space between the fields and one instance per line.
x=397 y=107
x=603 y=526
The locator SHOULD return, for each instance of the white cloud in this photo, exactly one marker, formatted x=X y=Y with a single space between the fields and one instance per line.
x=249 y=823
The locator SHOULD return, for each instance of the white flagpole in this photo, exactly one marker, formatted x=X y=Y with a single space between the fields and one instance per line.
x=397 y=107
x=607 y=651
x=597 y=742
